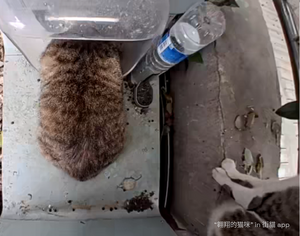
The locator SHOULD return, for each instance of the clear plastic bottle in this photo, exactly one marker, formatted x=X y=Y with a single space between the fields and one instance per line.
x=201 y=24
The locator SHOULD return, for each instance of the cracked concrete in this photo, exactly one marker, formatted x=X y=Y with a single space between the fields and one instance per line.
x=239 y=72
x=220 y=105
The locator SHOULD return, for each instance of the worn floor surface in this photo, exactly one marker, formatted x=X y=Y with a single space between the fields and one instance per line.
x=237 y=73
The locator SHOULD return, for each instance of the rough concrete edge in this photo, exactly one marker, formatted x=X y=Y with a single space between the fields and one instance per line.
x=289 y=128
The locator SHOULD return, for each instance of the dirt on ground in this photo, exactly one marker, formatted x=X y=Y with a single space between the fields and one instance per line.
x=144 y=93
x=139 y=203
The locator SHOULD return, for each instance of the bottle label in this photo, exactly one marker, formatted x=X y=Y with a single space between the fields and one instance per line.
x=167 y=52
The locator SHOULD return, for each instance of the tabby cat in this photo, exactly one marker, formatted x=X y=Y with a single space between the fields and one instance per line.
x=269 y=207
x=82 y=121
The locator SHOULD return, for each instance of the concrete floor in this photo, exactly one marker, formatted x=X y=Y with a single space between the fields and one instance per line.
x=239 y=72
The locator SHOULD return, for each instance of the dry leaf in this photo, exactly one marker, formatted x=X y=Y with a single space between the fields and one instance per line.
x=275 y=128
x=248 y=161
x=169 y=108
x=249 y=169
x=259 y=165
x=168 y=97
x=250 y=119
x=250 y=108
x=239 y=123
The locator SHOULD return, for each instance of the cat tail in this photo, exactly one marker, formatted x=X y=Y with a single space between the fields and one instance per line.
x=83 y=162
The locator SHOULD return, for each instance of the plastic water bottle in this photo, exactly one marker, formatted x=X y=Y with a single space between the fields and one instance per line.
x=201 y=24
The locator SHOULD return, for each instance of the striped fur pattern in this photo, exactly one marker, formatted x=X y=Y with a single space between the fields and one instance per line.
x=268 y=207
x=82 y=121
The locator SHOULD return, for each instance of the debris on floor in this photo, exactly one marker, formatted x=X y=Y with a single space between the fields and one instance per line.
x=248 y=161
x=24 y=207
x=129 y=89
x=144 y=94
x=275 y=128
x=169 y=116
x=129 y=183
x=249 y=165
x=239 y=123
x=246 y=121
x=250 y=119
x=139 y=203
x=81 y=207
x=259 y=166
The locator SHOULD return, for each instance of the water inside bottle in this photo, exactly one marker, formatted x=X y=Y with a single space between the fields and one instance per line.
x=198 y=27
x=185 y=38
